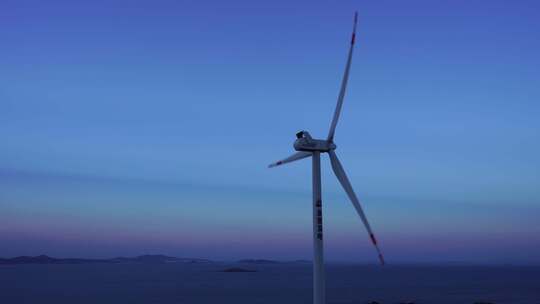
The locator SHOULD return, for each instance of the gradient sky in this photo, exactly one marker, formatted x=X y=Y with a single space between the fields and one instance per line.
x=146 y=127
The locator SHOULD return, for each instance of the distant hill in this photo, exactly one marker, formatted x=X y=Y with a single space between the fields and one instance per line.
x=158 y=258
x=142 y=259
x=43 y=259
x=236 y=269
x=263 y=261
x=257 y=261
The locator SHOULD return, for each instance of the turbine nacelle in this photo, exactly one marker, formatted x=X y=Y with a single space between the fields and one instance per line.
x=304 y=142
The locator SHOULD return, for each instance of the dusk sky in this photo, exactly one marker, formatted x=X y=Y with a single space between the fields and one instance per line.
x=147 y=127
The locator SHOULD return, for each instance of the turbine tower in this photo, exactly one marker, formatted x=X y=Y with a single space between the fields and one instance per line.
x=310 y=147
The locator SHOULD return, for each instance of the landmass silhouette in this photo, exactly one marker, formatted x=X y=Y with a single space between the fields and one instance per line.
x=141 y=259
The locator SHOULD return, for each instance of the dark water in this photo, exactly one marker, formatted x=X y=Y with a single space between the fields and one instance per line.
x=196 y=283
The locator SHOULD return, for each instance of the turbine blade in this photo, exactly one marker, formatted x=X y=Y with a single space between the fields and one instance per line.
x=342 y=177
x=295 y=156
x=341 y=95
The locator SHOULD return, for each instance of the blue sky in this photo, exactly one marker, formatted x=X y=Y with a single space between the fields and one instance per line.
x=146 y=126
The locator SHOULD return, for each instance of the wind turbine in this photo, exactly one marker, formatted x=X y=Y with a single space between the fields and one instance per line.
x=310 y=147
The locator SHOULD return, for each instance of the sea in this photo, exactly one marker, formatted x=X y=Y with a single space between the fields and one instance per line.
x=206 y=283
